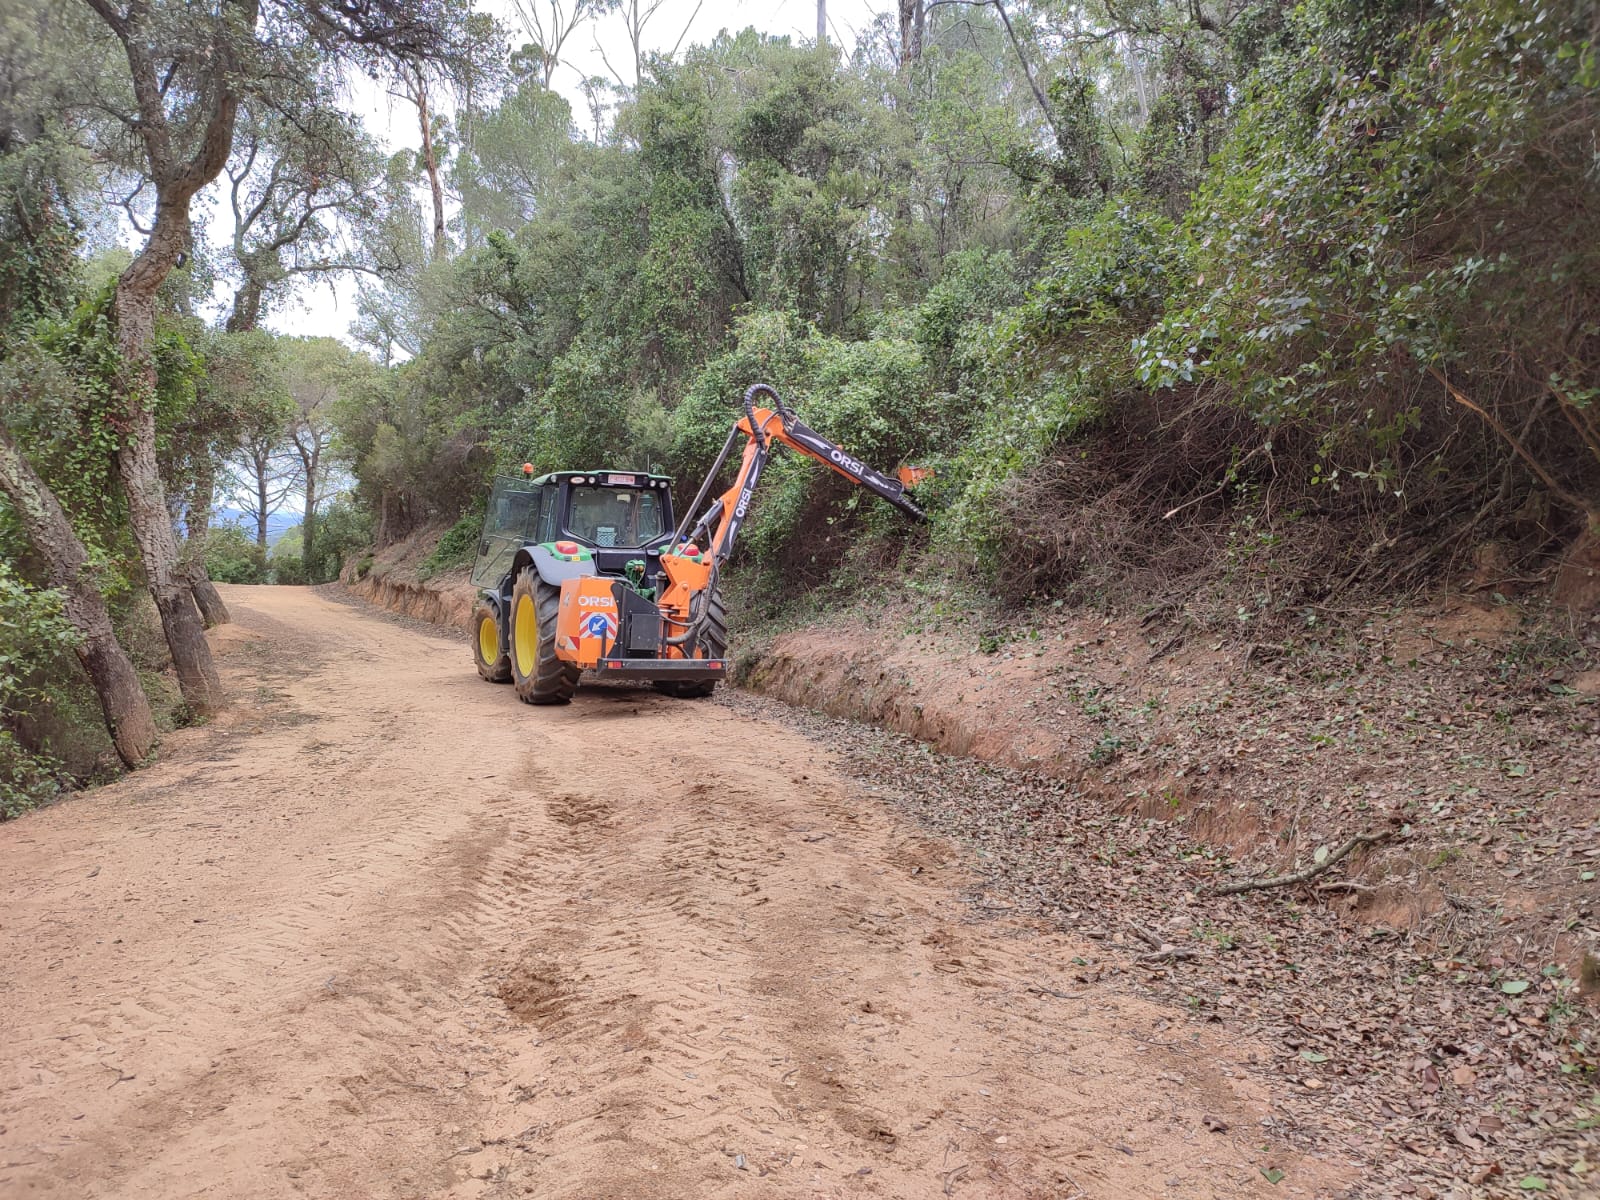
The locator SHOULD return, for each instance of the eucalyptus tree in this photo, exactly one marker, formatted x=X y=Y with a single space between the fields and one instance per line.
x=636 y=17
x=550 y=23
x=168 y=121
x=913 y=16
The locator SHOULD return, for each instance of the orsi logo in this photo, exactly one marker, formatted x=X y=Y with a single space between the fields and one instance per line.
x=744 y=503
x=845 y=461
x=596 y=602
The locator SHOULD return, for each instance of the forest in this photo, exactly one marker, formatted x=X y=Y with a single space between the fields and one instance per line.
x=1251 y=307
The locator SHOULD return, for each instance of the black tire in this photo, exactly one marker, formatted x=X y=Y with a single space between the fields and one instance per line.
x=486 y=642
x=714 y=638
x=537 y=674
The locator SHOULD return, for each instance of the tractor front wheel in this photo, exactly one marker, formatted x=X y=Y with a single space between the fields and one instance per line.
x=493 y=664
x=537 y=674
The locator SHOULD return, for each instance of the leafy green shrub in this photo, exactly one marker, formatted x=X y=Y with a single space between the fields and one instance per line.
x=458 y=547
x=1043 y=373
x=1381 y=208
x=232 y=555
x=343 y=528
x=976 y=284
x=285 y=561
x=36 y=660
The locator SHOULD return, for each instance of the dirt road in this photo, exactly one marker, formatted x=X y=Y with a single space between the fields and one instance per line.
x=384 y=931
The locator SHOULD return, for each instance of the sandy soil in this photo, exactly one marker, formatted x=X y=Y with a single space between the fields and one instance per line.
x=383 y=931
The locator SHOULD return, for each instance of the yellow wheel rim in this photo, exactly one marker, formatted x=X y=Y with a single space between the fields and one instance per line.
x=525 y=636
x=488 y=640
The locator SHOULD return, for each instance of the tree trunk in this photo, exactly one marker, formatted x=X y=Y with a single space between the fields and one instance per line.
x=198 y=524
x=912 y=18
x=430 y=163
x=246 y=312
x=122 y=700
x=261 y=500
x=207 y=599
x=308 y=524
x=135 y=309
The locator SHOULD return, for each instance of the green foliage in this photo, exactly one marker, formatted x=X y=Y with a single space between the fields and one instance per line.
x=36 y=658
x=285 y=559
x=71 y=419
x=343 y=528
x=458 y=547
x=232 y=556
x=1368 y=215
x=1050 y=367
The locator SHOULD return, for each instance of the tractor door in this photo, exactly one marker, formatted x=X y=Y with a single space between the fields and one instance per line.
x=511 y=519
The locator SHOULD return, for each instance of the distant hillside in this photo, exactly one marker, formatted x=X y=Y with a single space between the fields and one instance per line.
x=277 y=524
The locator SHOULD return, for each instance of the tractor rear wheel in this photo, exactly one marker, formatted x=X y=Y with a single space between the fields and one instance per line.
x=493 y=664
x=714 y=640
x=537 y=674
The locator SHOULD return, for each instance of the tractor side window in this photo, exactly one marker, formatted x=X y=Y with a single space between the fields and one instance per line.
x=519 y=505
x=509 y=508
x=614 y=516
x=547 y=515
x=512 y=506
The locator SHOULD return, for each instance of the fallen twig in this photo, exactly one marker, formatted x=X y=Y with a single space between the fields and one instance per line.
x=1144 y=935
x=1172 y=644
x=1038 y=990
x=1170 y=954
x=1160 y=951
x=1294 y=877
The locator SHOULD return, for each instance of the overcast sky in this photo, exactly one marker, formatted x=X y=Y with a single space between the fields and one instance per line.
x=329 y=310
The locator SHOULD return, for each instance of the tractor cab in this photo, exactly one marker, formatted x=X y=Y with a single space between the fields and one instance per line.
x=617 y=517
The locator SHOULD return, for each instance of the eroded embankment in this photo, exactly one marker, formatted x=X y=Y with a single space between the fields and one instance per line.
x=394 y=579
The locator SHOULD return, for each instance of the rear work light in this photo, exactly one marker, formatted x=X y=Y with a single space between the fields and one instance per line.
x=567 y=547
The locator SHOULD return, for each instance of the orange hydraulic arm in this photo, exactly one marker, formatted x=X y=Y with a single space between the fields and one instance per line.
x=684 y=601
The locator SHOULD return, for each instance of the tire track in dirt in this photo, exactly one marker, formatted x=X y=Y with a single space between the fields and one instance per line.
x=383 y=931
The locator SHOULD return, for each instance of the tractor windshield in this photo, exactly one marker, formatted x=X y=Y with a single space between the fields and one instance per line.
x=610 y=516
